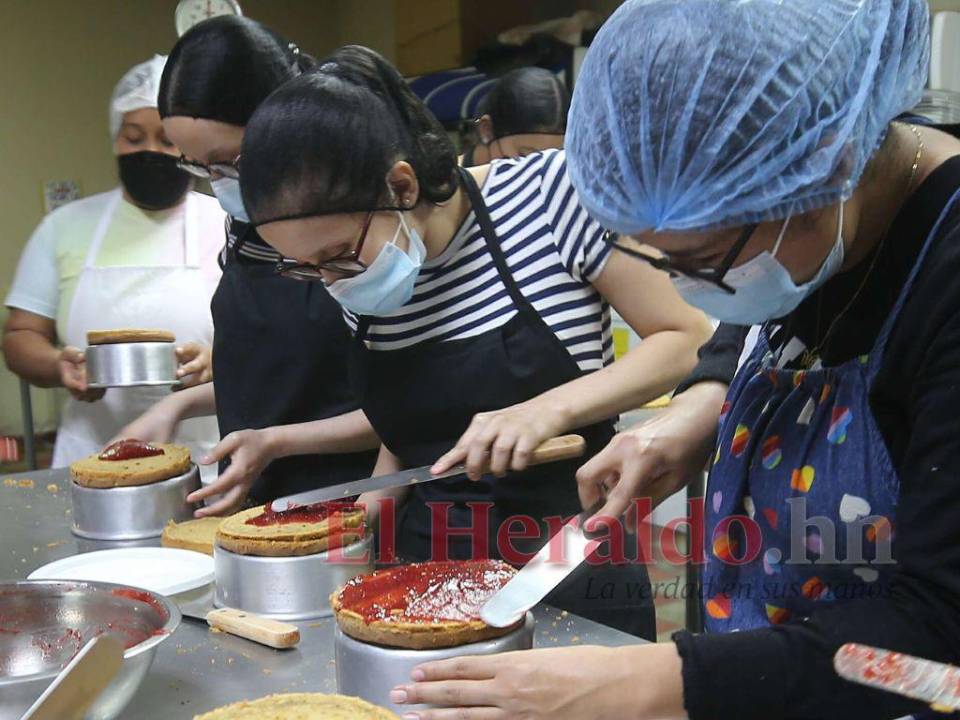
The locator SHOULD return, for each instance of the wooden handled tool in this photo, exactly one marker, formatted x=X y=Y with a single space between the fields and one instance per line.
x=268 y=632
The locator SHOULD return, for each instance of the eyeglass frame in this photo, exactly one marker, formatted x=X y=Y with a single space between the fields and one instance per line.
x=198 y=169
x=348 y=264
x=713 y=276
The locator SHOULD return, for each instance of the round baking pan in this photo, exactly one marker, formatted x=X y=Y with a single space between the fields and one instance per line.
x=370 y=671
x=132 y=513
x=287 y=588
x=131 y=364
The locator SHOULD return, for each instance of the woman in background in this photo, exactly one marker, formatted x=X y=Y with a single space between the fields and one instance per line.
x=141 y=256
x=525 y=112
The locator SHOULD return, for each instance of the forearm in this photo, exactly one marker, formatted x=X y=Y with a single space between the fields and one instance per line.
x=33 y=357
x=196 y=401
x=346 y=433
x=651 y=369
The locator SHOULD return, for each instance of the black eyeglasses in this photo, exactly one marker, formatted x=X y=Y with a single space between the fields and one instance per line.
x=222 y=169
x=714 y=276
x=349 y=264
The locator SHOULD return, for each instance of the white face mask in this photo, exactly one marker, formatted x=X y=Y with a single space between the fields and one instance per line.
x=764 y=288
x=227 y=192
x=388 y=283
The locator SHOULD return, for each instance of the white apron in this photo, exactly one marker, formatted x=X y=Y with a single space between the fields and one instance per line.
x=165 y=297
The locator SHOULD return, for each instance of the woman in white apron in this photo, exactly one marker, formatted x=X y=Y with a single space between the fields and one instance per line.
x=75 y=276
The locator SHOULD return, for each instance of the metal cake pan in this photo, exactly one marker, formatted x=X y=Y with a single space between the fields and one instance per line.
x=370 y=671
x=132 y=513
x=131 y=364
x=287 y=588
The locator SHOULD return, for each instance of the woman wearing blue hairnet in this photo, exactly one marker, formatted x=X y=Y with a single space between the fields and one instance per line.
x=752 y=144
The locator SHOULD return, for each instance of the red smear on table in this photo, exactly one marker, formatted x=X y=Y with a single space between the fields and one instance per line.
x=129 y=450
x=452 y=590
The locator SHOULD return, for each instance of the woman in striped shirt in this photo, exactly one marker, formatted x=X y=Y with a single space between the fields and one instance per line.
x=479 y=301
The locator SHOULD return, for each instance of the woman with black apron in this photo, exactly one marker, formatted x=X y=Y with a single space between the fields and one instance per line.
x=472 y=303
x=283 y=430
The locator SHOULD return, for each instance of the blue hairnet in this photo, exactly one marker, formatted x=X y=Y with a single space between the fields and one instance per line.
x=697 y=114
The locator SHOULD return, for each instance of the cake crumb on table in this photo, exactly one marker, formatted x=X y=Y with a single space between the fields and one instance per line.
x=25 y=483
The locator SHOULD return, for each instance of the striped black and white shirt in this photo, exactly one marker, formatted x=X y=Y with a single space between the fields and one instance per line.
x=552 y=247
x=253 y=248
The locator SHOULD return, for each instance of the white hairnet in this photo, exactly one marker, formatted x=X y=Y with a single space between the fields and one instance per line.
x=696 y=114
x=137 y=89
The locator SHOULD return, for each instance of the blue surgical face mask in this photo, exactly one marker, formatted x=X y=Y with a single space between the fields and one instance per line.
x=227 y=191
x=764 y=288
x=386 y=285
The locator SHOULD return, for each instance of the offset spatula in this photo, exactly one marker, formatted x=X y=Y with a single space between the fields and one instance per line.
x=565 y=447
x=272 y=633
x=561 y=555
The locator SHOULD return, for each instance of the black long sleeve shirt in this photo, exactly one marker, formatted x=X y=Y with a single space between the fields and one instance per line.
x=785 y=671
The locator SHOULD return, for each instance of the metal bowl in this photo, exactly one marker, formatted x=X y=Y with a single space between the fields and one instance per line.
x=132 y=513
x=131 y=364
x=370 y=671
x=287 y=588
x=44 y=623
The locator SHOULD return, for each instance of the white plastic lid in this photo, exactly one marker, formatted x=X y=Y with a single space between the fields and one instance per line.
x=167 y=571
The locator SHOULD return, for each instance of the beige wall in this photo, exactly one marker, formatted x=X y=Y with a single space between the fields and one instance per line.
x=61 y=59
x=938 y=5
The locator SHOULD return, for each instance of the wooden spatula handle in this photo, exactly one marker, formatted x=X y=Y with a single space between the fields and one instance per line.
x=268 y=632
x=564 y=447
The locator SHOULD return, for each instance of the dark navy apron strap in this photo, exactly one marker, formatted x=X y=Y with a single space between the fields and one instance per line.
x=492 y=240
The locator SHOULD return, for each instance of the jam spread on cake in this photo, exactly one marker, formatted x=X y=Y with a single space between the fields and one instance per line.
x=452 y=590
x=314 y=513
x=129 y=450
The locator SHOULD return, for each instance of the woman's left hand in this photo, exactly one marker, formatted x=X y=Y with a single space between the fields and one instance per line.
x=505 y=437
x=196 y=364
x=250 y=451
x=574 y=683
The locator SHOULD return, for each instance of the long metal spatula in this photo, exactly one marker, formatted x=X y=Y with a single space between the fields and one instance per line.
x=565 y=447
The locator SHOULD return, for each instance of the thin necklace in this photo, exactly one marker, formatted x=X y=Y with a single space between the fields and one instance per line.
x=812 y=355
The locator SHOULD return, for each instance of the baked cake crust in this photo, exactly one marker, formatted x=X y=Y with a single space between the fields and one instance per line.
x=393 y=629
x=197 y=535
x=113 y=337
x=93 y=472
x=288 y=539
x=300 y=706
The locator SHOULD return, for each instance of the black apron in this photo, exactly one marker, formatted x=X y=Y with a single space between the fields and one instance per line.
x=421 y=399
x=280 y=354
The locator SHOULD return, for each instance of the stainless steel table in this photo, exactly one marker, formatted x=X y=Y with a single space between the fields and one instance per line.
x=197 y=670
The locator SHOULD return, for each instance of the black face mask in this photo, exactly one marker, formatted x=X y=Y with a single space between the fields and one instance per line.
x=152 y=179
